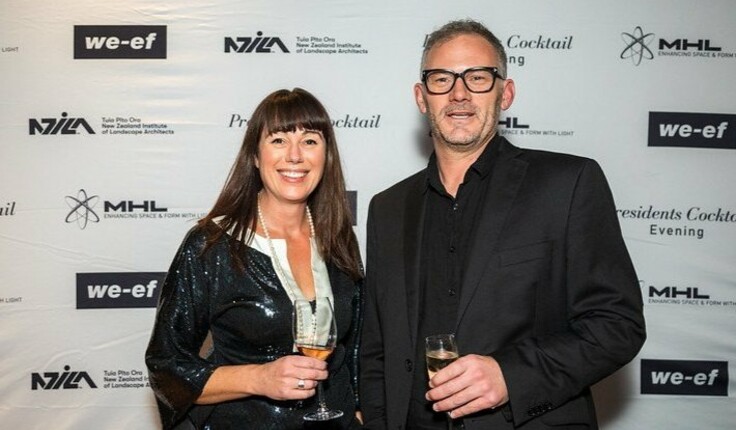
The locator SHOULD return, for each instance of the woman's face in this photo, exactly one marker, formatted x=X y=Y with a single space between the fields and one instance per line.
x=291 y=164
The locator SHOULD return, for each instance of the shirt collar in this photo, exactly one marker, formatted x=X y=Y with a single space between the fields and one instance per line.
x=481 y=167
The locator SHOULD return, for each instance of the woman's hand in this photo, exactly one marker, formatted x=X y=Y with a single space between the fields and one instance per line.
x=278 y=380
x=293 y=377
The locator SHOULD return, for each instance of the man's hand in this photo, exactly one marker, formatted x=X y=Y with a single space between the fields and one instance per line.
x=470 y=384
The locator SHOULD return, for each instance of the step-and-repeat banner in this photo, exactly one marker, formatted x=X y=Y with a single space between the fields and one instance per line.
x=120 y=120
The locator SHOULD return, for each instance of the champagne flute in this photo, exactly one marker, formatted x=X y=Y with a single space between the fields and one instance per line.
x=315 y=335
x=440 y=351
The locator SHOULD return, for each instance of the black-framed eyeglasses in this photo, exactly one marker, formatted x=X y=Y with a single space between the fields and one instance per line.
x=476 y=79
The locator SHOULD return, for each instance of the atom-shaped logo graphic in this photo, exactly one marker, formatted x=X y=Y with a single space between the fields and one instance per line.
x=81 y=209
x=637 y=46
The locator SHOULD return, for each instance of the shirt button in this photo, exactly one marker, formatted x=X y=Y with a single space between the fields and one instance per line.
x=451 y=292
x=455 y=206
x=452 y=249
x=408 y=365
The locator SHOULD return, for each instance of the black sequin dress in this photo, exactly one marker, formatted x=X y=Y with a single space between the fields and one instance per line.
x=249 y=317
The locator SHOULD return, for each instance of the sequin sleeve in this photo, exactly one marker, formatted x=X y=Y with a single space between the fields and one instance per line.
x=177 y=373
x=353 y=342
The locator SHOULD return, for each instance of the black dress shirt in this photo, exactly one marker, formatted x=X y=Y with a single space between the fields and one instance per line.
x=449 y=226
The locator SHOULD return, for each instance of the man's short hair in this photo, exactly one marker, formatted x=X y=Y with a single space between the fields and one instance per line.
x=465 y=26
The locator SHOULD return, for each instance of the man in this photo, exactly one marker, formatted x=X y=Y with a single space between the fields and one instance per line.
x=517 y=252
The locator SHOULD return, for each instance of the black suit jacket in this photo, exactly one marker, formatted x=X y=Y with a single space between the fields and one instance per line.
x=549 y=291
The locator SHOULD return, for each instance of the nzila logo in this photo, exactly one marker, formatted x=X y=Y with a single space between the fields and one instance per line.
x=63 y=125
x=61 y=380
x=258 y=44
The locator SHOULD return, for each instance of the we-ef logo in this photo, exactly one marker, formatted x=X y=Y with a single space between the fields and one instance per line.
x=61 y=380
x=692 y=130
x=119 y=41
x=258 y=44
x=63 y=125
x=684 y=377
x=118 y=290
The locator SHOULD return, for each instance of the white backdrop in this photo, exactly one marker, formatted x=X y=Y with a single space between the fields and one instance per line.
x=91 y=213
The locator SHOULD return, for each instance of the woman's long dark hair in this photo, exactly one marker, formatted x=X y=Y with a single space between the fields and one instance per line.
x=236 y=206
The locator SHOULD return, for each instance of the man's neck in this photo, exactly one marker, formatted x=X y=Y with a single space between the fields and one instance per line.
x=452 y=165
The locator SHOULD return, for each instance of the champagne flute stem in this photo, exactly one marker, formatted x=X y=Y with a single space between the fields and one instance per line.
x=321 y=397
x=449 y=421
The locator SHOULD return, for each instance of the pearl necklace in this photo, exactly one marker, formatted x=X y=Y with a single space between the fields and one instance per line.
x=274 y=257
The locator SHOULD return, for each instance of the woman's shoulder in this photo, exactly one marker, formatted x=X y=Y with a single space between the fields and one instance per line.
x=209 y=241
x=199 y=236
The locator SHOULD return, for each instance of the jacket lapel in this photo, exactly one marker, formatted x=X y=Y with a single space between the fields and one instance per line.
x=342 y=294
x=413 y=225
x=508 y=174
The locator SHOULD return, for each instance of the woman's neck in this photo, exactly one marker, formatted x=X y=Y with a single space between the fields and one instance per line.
x=284 y=220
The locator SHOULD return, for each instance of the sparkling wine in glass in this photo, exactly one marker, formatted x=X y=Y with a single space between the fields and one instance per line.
x=315 y=335
x=440 y=350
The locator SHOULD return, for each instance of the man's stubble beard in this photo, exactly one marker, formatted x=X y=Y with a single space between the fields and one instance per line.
x=469 y=143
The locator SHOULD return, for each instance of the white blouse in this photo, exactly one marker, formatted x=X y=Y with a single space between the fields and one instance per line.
x=322 y=287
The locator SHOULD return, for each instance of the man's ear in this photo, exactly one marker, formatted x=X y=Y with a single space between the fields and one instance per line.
x=509 y=92
x=419 y=98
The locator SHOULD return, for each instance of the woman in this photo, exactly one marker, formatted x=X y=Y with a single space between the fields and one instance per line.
x=280 y=230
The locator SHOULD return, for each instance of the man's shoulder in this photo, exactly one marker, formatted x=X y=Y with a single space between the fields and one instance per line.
x=545 y=156
x=544 y=160
x=401 y=188
x=550 y=166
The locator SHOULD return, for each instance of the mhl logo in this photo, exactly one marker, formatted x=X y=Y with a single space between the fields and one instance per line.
x=130 y=206
x=119 y=41
x=685 y=44
x=512 y=122
x=692 y=130
x=674 y=293
x=256 y=44
x=637 y=46
x=63 y=125
x=61 y=381
x=118 y=290
x=684 y=377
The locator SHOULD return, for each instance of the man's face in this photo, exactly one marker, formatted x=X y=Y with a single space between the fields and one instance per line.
x=462 y=121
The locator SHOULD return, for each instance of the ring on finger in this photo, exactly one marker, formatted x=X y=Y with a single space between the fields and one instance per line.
x=300 y=384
